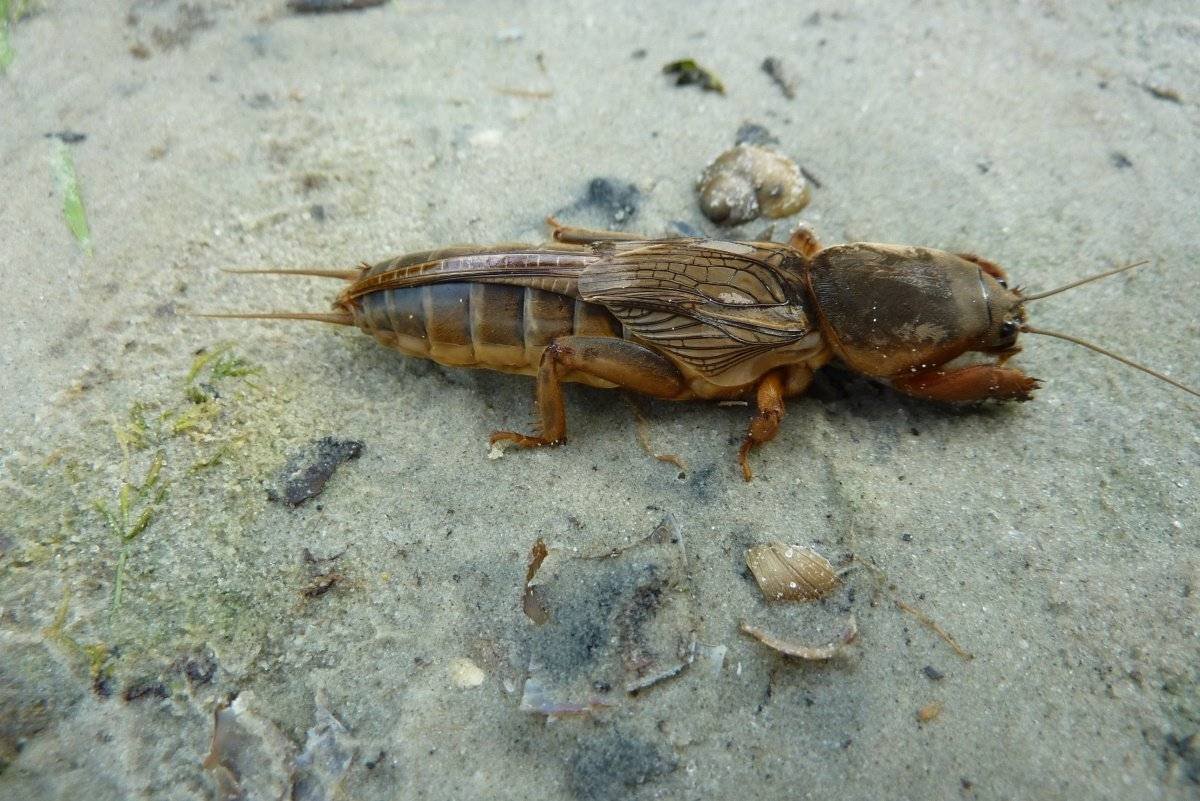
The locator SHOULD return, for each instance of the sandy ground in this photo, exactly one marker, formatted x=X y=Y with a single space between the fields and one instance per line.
x=374 y=637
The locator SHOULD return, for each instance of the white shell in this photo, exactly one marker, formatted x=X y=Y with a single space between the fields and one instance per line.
x=811 y=653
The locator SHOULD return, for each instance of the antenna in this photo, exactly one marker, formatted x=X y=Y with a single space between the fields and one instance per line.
x=1028 y=329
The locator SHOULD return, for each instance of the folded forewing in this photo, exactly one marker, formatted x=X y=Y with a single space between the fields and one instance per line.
x=548 y=269
x=713 y=304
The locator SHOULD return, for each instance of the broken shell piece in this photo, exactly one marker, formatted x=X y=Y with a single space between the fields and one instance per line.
x=465 y=674
x=812 y=653
x=329 y=748
x=746 y=181
x=249 y=756
x=790 y=572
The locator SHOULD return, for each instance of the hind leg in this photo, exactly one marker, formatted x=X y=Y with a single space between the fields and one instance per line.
x=618 y=361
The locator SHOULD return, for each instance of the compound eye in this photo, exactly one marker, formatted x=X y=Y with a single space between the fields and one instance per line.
x=1009 y=328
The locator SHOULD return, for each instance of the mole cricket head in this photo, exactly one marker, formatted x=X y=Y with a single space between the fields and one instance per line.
x=890 y=309
x=887 y=310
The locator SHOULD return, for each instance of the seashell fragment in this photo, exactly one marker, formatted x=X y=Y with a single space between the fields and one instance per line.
x=790 y=572
x=249 y=757
x=811 y=653
x=465 y=674
x=746 y=181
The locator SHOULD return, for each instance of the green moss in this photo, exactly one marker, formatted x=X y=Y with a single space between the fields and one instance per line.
x=196 y=417
x=56 y=633
x=229 y=365
x=220 y=363
x=10 y=12
x=140 y=431
x=134 y=433
x=135 y=507
x=687 y=71
x=97 y=655
x=213 y=459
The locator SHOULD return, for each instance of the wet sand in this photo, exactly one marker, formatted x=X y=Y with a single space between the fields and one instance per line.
x=375 y=636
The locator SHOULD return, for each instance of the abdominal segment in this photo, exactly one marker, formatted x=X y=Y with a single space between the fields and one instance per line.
x=470 y=324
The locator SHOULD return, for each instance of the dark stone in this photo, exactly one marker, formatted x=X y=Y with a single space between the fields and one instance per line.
x=67 y=137
x=751 y=133
x=305 y=474
x=146 y=687
x=619 y=201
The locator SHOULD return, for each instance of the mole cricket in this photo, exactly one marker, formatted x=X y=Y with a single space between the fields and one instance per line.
x=691 y=318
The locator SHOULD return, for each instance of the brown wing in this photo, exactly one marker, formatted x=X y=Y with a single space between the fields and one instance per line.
x=712 y=304
x=543 y=268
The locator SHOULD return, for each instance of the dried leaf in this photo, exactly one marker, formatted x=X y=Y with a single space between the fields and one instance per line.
x=531 y=602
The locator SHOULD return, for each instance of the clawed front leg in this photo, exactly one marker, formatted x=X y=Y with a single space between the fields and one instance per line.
x=617 y=361
x=973 y=383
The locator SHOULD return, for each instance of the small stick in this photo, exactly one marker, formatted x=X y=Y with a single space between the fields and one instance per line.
x=921 y=617
x=524 y=94
x=641 y=426
x=930 y=623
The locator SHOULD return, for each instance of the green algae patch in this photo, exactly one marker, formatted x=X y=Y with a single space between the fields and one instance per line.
x=148 y=424
x=145 y=517
x=95 y=659
x=134 y=433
